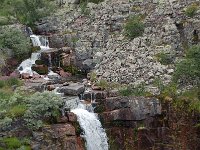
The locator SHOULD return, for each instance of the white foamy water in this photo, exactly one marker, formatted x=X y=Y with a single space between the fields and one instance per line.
x=94 y=134
x=25 y=66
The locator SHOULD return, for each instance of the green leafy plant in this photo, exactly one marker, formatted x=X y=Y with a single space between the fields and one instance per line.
x=92 y=1
x=42 y=107
x=134 y=27
x=15 y=40
x=164 y=59
x=12 y=143
x=191 y=10
x=103 y=84
x=188 y=69
x=138 y=90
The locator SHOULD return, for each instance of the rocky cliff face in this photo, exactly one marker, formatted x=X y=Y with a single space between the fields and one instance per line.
x=97 y=37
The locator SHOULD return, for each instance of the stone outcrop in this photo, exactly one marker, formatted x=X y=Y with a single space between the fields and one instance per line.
x=57 y=136
x=72 y=89
x=98 y=37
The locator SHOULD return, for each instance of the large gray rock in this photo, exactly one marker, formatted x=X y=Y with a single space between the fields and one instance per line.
x=131 y=108
x=72 y=89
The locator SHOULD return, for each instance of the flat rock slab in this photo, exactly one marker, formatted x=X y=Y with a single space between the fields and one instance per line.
x=72 y=89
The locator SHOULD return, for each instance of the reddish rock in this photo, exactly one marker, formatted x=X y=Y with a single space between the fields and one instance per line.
x=72 y=117
x=15 y=74
x=50 y=87
x=62 y=130
x=64 y=74
x=25 y=76
x=63 y=119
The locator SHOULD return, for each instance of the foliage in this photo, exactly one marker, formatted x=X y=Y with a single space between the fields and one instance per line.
x=138 y=90
x=10 y=82
x=5 y=123
x=188 y=69
x=26 y=11
x=12 y=143
x=92 y=1
x=164 y=59
x=93 y=77
x=16 y=111
x=42 y=106
x=84 y=9
x=16 y=41
x=134 y=27
x=103 y=84
x=191 y=10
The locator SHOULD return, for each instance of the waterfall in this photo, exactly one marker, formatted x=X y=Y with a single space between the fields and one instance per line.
x=94 y=134
x=42 y=42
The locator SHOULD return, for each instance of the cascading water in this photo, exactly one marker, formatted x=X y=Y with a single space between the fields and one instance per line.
x=94 y=134
x=25 y=66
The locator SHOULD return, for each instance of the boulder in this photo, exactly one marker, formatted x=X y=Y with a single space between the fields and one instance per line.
x=64 y=74
x=25 y=76
x=50 y=87
x=72 y=89
x=131 y=108
x=40 y=69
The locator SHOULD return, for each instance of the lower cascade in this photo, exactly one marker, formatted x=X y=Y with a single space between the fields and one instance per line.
x=94 y=134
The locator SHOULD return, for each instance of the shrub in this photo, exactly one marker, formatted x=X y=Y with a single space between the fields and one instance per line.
x=42 y=107
x=2 y=83
x=138 y=90
x=12 y=143
x=103 y=84
x=27 y=11
x=5 y=123
x=17 y=111
x=12 y=81
x=188 y=69
x=191 y=10
x=92 y=1
x=164 y=59
x=16 y=41
x=134 y=27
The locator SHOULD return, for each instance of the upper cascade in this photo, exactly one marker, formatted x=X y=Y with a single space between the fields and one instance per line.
x=43 y=43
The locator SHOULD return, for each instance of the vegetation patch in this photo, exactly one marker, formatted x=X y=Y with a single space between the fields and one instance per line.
x=15 y=40
x=164 y=59
x=134 y=27
x=191 y=10
x=188 y=69
x=25 y=11
x=13 y=143
x=138 y=90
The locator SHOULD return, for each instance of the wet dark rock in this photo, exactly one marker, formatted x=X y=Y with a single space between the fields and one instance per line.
x=72 y=89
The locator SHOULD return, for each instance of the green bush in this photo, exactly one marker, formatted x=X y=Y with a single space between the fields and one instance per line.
x=26 y=11
x=16 y=111
x=188 y=69
x=16 y=41
x=134 y=27
x=5 y=123
x=164 y=59
x=191 y=10
x=12 y=143
x=42 y=107
x=138 y=90
x=2 y=83
x=91 y=1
